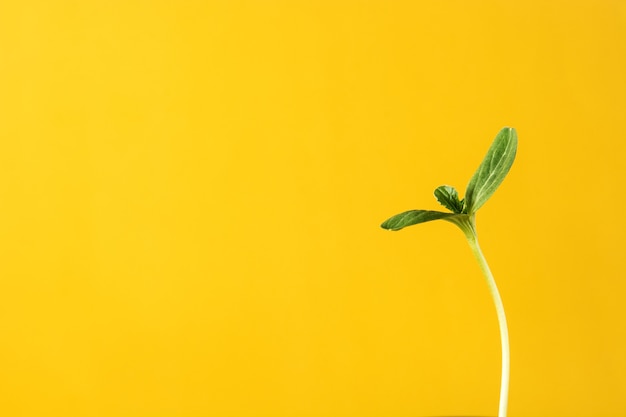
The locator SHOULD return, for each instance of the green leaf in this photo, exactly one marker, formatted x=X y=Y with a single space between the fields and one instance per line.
x=492 y=170
x=411 y=217
x=449 y=198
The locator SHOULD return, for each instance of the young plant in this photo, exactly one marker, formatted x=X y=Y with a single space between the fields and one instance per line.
x=483 y=184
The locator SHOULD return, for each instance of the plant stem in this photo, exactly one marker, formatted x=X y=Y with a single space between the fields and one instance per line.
x=504 y=332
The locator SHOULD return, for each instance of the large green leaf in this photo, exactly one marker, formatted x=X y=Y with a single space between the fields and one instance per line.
x=449 y=198
x=411 y=217
x=492 y=170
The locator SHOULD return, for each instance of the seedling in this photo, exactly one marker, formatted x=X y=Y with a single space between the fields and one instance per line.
x=481 y=187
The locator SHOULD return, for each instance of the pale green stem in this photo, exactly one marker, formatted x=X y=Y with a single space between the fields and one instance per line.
x=504 y=332
x=467 y=223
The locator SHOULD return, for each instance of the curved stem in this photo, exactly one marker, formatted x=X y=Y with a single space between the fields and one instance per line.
x=504 y=332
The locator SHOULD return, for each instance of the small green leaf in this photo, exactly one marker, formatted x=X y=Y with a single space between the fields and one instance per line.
x=449 y=198
x=411 y=217
x=492 y=170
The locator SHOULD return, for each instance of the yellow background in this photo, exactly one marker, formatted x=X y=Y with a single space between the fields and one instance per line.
x=190 y=195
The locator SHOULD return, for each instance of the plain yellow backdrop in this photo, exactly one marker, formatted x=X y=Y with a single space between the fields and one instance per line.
x=191 y=193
